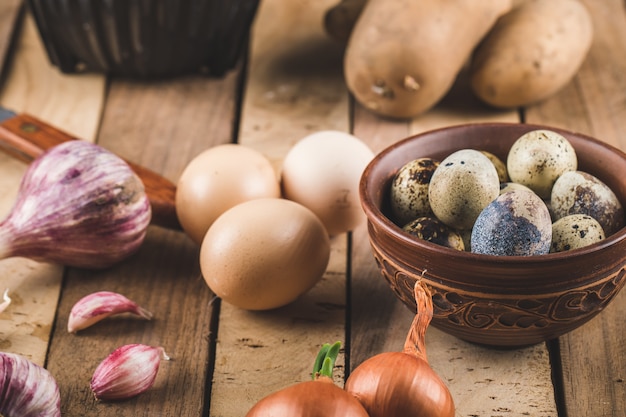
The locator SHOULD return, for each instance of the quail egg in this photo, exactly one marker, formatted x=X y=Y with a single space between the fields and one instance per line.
x=503 y=175
x=538 y=158
x=578 y=192
x=516 y=223
x=575 y=231
x=432 y=230
x=463 y=184
x=510 y=186
x=409 y=190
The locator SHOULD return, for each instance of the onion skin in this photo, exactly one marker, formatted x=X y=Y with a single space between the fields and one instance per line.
x=78 y=205
x=27 y=389
x=319 y=398
x=402 y=384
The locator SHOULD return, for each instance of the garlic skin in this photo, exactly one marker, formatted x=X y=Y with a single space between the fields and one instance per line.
x=99 y=305
x=6 y=300
x=78 y=205
x=127 y=372
x=27 y=389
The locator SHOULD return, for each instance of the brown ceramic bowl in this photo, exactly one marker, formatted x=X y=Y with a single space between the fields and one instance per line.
x=496 y=300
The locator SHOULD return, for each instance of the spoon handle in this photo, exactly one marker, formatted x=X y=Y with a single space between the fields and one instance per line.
x=25 y=137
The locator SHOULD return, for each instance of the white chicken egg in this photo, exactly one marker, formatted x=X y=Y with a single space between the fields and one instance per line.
x=322 y=171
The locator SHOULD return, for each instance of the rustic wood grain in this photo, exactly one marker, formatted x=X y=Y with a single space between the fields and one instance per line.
x=30 y=84
x=593 y=357
x=224 y=359
x=10 y=11
x=294 y=87
x=144 y=122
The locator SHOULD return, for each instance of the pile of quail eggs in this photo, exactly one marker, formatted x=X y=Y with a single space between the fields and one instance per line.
x=536 y=203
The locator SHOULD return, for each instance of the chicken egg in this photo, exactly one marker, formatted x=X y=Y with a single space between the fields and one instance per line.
x=322 y=172
x=218 y=179
x=264 y=253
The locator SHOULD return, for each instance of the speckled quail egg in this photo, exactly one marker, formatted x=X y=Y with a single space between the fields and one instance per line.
x=538 y=158
x=463 y=184
x=575 y=231
x=432 y=230
x=510 y=186
x=503 y=175
x=409 y=190
x=517 y=223
x=578 y=192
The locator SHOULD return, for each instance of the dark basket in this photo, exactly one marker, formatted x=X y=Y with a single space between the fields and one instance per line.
x=144 y=38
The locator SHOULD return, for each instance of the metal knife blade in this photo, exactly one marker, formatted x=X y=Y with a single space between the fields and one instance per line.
x=25 y=137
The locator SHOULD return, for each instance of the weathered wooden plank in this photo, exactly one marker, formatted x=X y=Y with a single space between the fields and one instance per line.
x=483 y=381
x=33 y=86
x=295 y=87
x=161 y=125
x=10 y=11
x=593 y=357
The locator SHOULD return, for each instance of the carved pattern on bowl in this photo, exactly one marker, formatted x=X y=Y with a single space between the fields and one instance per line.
x=480 y=311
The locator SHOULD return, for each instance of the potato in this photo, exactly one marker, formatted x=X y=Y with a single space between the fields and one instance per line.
x=404 y=55
x=341 y=18
x=531 y=53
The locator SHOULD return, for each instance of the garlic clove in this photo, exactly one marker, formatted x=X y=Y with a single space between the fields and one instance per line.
x=6 y=300
x=128 y=371
x=27 y=389
x=99 y=305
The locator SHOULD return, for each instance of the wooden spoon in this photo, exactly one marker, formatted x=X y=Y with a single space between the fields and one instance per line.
x=25 y=137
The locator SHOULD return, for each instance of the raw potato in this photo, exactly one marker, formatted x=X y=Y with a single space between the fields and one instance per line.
x=404 y=55
x=340 y=19
x=531 y=53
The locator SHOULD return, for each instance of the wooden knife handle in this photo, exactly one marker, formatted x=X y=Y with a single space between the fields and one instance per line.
x=25 y=137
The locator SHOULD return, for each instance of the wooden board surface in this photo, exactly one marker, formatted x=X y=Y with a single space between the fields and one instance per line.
x=594 y=104
x=32 y=86
x=225 y=359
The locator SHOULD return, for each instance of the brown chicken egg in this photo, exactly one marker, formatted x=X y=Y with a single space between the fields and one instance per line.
x=264 y=253
x=218 y=179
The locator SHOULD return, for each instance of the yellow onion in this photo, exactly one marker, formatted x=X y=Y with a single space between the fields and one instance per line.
x=319 y=397
x=402 y=384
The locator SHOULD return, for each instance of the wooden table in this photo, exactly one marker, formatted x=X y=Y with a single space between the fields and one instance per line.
x=225 y=359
